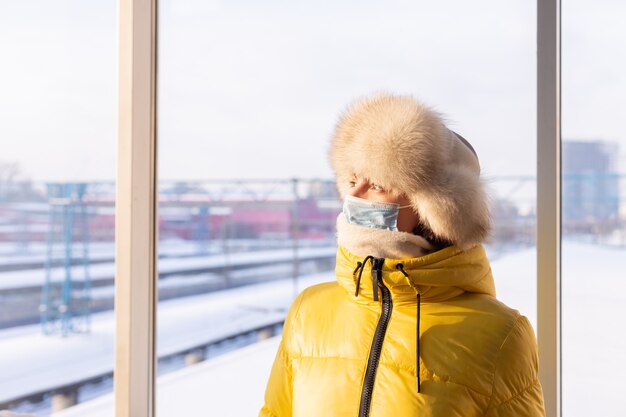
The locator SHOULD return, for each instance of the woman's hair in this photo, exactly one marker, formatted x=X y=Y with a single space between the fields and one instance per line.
x=438 y=242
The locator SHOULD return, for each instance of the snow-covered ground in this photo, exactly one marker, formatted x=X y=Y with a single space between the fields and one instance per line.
x=594 y=365
x=231 y=385
x=31 y=362
x=193 y=264
x=593 y=291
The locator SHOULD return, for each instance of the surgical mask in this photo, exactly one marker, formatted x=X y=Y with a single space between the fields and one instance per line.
x=373 y=214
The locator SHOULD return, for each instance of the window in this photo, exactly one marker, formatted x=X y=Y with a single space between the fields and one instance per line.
x=57 y=198
x=593 y=214
x=248 y=98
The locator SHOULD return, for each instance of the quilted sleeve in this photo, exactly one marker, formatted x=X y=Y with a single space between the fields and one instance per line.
x=516 y=389
x=278 y=392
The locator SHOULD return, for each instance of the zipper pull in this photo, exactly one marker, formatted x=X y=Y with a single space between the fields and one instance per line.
x=377 y=274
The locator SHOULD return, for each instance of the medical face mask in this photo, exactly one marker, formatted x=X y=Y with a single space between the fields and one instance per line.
x=373 y=214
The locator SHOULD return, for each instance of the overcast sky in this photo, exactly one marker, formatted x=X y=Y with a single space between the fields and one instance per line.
x=253 y=89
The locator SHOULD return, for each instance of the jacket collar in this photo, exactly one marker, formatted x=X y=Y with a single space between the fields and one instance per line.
x=380 y=243
x=437 y=276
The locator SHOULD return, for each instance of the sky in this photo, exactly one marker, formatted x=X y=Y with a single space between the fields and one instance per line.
x=253 y=89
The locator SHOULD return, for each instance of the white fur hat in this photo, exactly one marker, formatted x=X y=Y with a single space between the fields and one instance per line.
x=404 y=146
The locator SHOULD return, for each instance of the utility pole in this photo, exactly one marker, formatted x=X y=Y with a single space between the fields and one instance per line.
x=295 y=228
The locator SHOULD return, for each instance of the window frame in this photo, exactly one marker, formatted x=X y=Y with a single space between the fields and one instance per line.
x=137 y=203
x=136 y=214
x=549 y=202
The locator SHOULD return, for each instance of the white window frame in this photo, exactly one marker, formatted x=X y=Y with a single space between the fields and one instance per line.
x=549 y=202
x=136 y=208
x=136 y=213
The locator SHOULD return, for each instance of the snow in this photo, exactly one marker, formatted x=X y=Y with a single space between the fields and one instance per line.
x=196 y=264
x=593 y=363
x=593 y=290
x=232 y=384
x=594 y=347
x=182 y=324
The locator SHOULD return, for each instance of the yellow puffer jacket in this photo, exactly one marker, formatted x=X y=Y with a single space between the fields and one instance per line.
x=348 y=354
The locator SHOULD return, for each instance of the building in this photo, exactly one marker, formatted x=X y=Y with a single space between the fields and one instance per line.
x=590 y=184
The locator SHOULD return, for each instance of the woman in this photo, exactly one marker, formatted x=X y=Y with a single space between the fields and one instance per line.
x=411 y=327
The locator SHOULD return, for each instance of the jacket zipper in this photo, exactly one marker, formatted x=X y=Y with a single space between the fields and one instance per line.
x=377 y=341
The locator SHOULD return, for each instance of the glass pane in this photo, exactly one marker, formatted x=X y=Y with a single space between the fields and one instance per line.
x=57 y=195
x=594 y=214
x=249 y=94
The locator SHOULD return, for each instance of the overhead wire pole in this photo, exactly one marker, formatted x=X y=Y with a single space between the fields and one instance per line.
x=295 y=232
x=549 y=202
x=136 y=212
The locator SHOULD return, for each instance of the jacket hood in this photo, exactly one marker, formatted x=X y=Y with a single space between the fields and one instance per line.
x=437 y=276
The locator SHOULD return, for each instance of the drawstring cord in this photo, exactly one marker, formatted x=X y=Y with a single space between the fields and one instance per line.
x=360 y=266
x=400 y=267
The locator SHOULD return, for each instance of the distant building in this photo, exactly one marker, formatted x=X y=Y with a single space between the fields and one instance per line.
x=590 y=183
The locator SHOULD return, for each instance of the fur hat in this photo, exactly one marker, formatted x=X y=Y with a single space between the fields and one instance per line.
x=404 y=146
